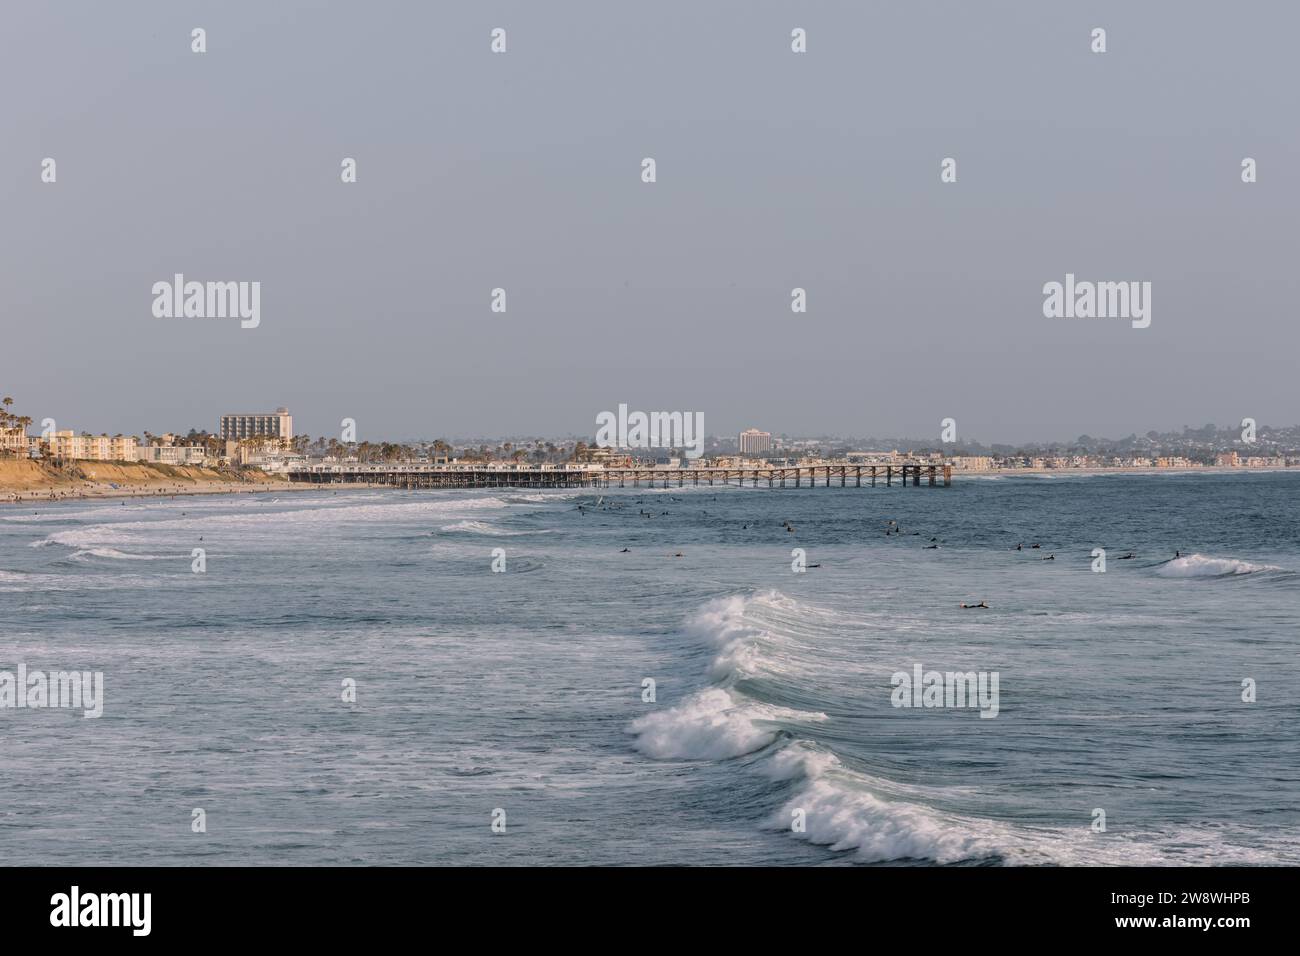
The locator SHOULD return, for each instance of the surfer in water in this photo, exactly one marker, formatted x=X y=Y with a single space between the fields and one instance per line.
x=973 y=606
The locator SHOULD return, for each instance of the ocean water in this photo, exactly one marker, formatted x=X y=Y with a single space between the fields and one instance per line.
x=773 y=737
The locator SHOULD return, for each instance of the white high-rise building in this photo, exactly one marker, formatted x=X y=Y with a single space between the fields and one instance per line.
x=754 y=442
x=277 y=424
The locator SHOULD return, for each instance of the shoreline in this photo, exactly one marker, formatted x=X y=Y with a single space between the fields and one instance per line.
x=97 y=491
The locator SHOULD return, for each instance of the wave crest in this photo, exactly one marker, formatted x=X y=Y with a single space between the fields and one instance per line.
x=1202 y=566
x=712 y=724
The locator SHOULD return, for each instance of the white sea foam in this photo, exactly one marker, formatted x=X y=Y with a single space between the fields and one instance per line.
x=272 y=522
x=712 y=724
x=841 y=816
x=523 y=498
x=845 y=810
x=881 y=821
x=721 y=623
x=120 y=555
x=1201 y=566
x=483 y=527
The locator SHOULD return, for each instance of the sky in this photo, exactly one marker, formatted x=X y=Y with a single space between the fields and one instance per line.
x=774 y=170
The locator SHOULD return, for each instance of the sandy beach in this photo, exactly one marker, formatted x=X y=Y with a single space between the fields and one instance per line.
x=25 y=481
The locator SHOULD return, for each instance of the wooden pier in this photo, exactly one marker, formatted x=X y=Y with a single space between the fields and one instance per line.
x=788 y=476
x=407 y=475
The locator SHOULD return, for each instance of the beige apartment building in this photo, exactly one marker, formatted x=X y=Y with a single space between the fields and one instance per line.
x=972 y=462
x=92 y=447
x=172 y=454
x=754 y=442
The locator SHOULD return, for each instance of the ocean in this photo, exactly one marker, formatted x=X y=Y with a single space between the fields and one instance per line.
x=348 y=681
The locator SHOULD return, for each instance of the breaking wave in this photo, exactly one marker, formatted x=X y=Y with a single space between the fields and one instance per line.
x=846 y=808
x=1201 y=566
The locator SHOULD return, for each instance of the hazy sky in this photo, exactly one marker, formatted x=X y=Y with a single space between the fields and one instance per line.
x=775 y=170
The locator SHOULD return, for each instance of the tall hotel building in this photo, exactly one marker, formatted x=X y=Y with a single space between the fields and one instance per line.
x=277 y=424
x=755 y=442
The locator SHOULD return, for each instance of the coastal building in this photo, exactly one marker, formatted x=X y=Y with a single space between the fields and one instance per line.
x=259 y=453
x=871 y=457
x=277 y=424
x=754 y=442
x=14 y=441
x=972 y=462
x=1227 y=459
x=69 y=444
x=610 y=457
x=172 y=454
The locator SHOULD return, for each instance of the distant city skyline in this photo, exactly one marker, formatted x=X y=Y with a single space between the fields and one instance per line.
x=280 y=421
